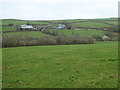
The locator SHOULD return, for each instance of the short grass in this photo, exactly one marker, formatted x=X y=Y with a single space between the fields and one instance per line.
x=77 y=20
x=61 y=66
x=37 y=22
x=13 y=21
x=29 y=33
x=8 y=28
x=20 y=22
x=83 y=32
x=69 y=20
x=113 y=22
x=90 y=24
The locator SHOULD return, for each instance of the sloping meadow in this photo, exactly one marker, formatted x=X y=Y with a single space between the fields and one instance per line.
x=61 y=66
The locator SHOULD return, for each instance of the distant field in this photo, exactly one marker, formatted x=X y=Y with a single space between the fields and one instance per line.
x=61 y=66
x=7 y=28
x=77 y=20
x=84 y=32
x=71 y=20
x=78 y=24
x=30 y=33
x=106 y=19
x=113 y=22
x=90 y=24
x=37 y=22
x=20 y=22
x=13 y=21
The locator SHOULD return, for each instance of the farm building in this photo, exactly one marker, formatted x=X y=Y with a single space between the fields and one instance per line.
x=26 y=27
x=33 y=27
x=61 y=26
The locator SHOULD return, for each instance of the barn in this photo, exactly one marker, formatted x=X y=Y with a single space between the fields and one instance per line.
x=26 y=27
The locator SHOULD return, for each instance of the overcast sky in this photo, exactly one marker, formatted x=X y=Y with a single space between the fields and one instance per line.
x=58 y=9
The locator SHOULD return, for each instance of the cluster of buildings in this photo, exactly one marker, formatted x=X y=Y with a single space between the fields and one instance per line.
x=40 y=27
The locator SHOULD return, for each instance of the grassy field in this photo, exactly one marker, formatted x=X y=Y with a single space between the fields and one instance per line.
x=113 y=22
x=38 y=22
x=106 y=19
x=83 y=32
x=78 y=24
x=70 y=20
x=77 y=20
x=13 y=21
x=61 y=66
x=30 y=33
x=90 y=24
x=20 y=22
x=7 y=28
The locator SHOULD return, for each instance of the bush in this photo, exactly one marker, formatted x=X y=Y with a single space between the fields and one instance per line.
x=113 y=36
x=97 y=37
x=46 y=40
x=110 y=34
x=17 y=40
x=53 y=32
x=115 y=29
x=10 y=41
x=106 y=38
x=74 y=39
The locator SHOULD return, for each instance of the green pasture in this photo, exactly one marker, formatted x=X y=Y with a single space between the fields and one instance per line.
x=83 y=32
x=90 y=24
x=21 y=22
x=13 y=21
x=113 y=22
x=8 y=28
x=61 y=66
x=26 y=33
x=106 y=19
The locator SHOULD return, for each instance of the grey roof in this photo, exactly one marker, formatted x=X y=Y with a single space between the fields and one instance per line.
x=26 y=26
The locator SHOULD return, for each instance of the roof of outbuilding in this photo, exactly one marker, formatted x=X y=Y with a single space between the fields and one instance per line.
x=26 y=26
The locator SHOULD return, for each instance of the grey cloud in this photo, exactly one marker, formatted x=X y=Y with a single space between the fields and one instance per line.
x=61 y=9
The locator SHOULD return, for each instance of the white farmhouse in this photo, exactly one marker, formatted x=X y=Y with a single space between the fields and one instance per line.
x=26 y=26
x=61 y=26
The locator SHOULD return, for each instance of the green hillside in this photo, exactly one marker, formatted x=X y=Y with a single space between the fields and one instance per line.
x=61 y=66
x=30 y=34
x=8 y=28
x=20 y=22
x=60 y=58
x=90 y=24
x=113 y=22
x=13 y=21
x=86 y=23
x=83 y=32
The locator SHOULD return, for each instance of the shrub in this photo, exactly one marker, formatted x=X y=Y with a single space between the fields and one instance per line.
x=10 y=41
x=115 y=28
x=110 y=34
x=97 y=37
x=17 y=40
x=113 y=36
x=73 y=39
x=46 y=40
x=106 y=38
x=53 y=32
